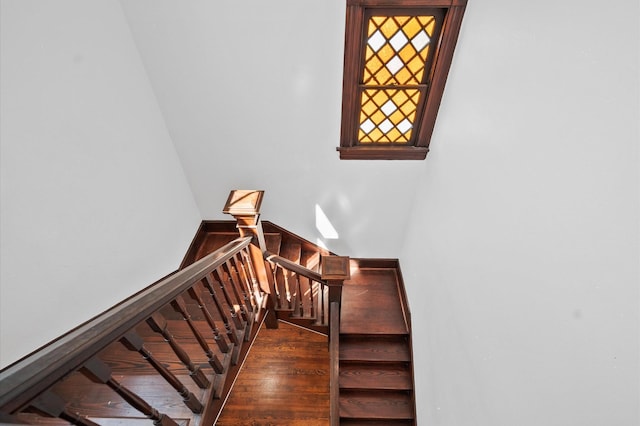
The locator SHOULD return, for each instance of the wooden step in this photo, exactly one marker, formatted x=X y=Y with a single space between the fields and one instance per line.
x=376 y=405
x=273 y=242
x=307 y=323
x=310 y=259
x=375 y=376
x=213 y=241
x=371 y=303
x=374 y=348
x=291 y=251
x=99 y=401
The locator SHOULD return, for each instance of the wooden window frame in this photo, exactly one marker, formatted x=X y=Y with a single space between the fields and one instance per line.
x=435 y=78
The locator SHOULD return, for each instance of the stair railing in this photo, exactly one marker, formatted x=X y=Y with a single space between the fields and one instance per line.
x=244 y=206
x=224 y=277
x=334 y=368
x=317 y=293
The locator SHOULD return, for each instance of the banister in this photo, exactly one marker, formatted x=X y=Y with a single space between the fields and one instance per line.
x=334 y=353
x=292 y=266
x=26 y=379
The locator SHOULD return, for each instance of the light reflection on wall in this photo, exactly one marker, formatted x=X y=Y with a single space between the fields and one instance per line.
x=324 y=226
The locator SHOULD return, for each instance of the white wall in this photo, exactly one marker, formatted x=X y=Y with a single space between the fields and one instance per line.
x=95 y=204
x=251 y=92
x=522 y=268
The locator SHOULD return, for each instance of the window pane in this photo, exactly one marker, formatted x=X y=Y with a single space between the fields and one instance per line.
x=397 y=49
x=387 y=115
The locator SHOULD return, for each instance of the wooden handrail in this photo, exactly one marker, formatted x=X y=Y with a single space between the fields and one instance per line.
x=334 y=351
x=24 y=380
x=292 y=266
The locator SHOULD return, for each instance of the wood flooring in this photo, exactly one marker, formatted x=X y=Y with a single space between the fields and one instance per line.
x=284 y=381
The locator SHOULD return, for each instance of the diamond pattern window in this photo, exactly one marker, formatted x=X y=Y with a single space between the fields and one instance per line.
x=397 y=57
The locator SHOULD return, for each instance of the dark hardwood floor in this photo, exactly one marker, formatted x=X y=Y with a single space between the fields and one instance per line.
x=370 y=303
x=284 y=381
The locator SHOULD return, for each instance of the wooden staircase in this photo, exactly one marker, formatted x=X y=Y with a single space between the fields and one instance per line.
x=299 y=300
x=375 y=370
x=375 y=381
x=374 y=355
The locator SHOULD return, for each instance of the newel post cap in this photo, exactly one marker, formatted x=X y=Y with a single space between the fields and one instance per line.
x=335 y=268
x=243 y=202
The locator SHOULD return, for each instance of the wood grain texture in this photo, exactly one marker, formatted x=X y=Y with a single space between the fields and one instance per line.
x=371 y=304
x=367 y=376
x=24 y=380
x=284 y=381
x=373 y=348
x=376 y=377
x=382 y=405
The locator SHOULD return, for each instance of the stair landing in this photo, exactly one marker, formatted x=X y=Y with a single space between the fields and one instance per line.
x=371 y=302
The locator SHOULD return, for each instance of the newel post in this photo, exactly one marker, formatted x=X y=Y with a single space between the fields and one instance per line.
x=335 y=270
x=244 y=206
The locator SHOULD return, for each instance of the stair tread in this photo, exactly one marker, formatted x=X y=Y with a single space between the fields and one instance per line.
x=310 y=259
x=273 y=242
x=375 y=376
x=291 y=251
x=305 y=317
x=375 y=349
x=371 y=303
x=213 y=241
x=376 y=405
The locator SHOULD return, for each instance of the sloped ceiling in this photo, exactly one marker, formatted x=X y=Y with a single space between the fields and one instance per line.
x=251 y=94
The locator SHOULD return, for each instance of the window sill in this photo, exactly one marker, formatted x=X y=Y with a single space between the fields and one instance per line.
x=383 y=153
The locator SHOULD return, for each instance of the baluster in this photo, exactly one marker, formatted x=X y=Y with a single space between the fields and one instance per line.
x=279 y=277
x=212 y=292
x=244 y=206
x=159 y=324
x=252 y=272
x=312 y=285
x=287 y=289
x=220 y=340
x=51 y=404
x=100 y=372
x=275 y=287
x=300 y=295
x=234 y=316
x=232 y=282
x=134 y=342
x=236 y=280
x=247 y=292
x=179 y=305
x=324 y=320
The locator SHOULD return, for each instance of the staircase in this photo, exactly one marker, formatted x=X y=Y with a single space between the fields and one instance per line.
x=299 y=300
x=374 y=356
x=375 y=362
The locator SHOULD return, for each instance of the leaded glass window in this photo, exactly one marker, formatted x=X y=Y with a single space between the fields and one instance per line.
x=390 y=67
x=396 y=54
